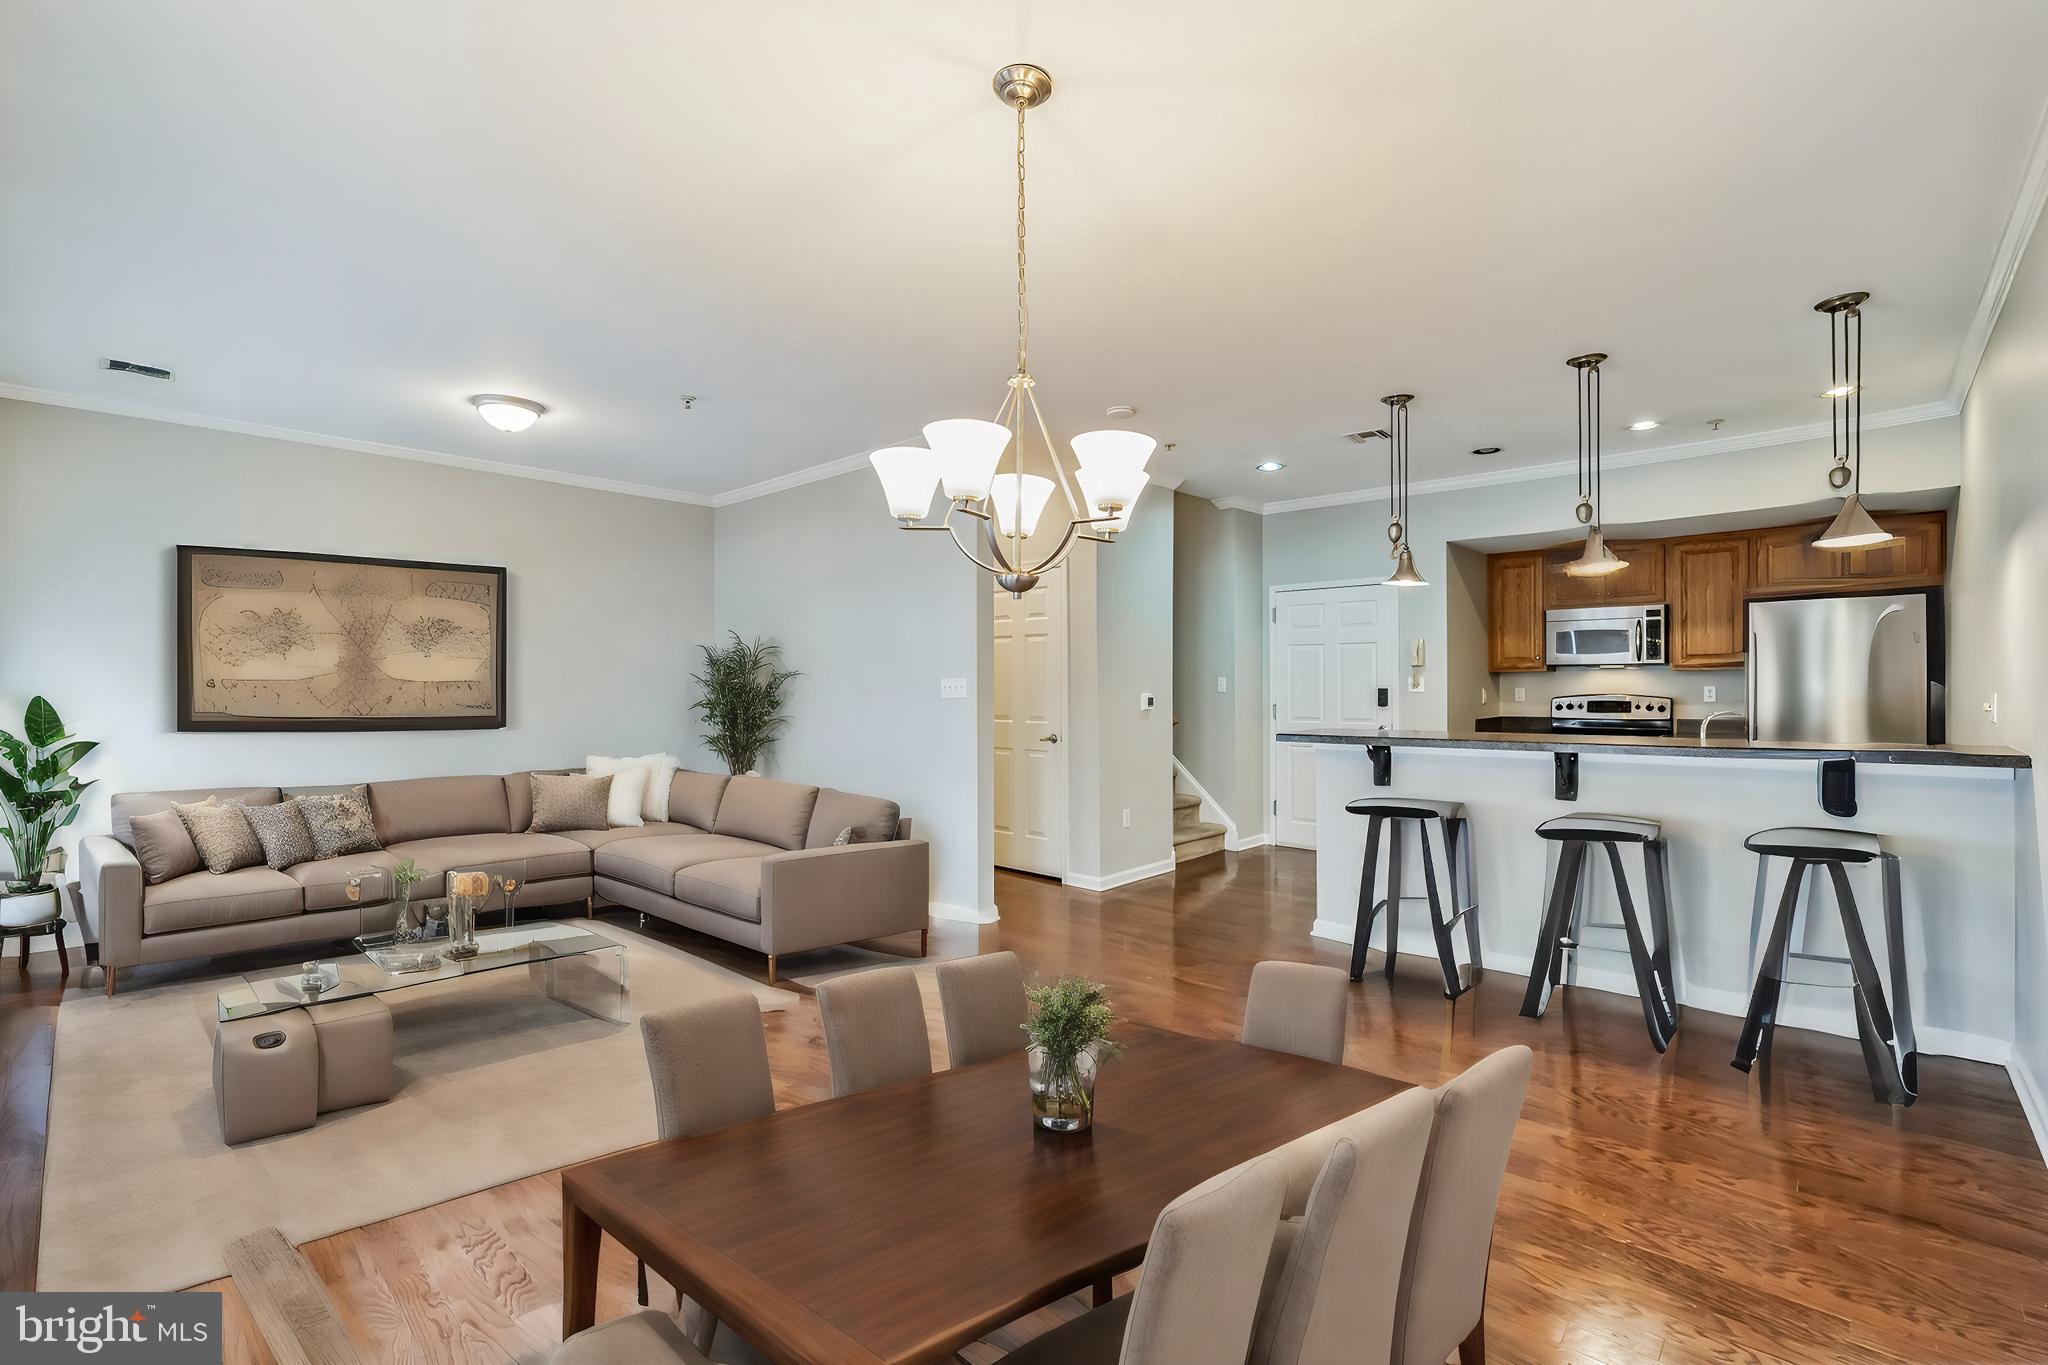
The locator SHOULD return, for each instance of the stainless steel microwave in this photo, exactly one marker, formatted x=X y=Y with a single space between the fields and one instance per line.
x=1604 y=635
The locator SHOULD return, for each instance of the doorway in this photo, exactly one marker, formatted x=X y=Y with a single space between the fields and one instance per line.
x=1030 y=726
x=1332 y=663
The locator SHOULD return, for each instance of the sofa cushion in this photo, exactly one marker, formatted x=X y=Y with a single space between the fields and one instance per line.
x=435 y=807
x=872 y=820
x=532 y=857
x=767 y=811
x=125 y=806
x=731 y=886
x=325 y=881
x=653 y=863
x=598 y=838
x=199 y=900
x=693 y=797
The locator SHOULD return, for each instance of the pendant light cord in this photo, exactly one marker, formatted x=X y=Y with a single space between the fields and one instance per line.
x=1023 y=306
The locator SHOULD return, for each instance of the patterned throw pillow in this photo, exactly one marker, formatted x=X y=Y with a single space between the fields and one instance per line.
x=850 y=835
x=340 y=823
x=282 y=831
x=221 y=833
x=568 y=801
x=163 y=846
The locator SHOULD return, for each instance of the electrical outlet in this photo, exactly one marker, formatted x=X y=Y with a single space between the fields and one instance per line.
x=952 y=689
x=1482 y=696
x=1222 y=684
x=1127 y=818
x=1521 y=694
x=1707 y=693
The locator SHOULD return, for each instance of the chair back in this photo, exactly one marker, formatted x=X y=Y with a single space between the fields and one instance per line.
x=1197 y=1300
x=1297 y=1007
x=709 y=1064
x=983 y=1001
x=1443 y=1284
x=1340 y=1263
x=874 y=1029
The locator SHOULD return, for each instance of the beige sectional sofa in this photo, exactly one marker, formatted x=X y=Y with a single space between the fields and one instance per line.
x=746 y=859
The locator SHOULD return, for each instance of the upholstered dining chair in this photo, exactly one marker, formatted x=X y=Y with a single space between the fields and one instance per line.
x=1297 y=1007
x=983 y=1001
x=709 y=1065
x=874 y=1029
x=1335 y=1274
x=1199 y=1295
x=1443 y=1283
x=644 y=1338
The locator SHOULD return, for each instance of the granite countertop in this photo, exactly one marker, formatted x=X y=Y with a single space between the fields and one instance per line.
x=1686 y=746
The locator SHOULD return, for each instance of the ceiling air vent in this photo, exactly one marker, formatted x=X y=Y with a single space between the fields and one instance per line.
x=1359 y=438
x=131 y=367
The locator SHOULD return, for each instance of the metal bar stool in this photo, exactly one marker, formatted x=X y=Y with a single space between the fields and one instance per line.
x=1890 y=1052
x=1454 y=836
x=1565 y=927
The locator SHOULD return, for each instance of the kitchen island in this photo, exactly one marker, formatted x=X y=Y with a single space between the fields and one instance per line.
x=1950 y=812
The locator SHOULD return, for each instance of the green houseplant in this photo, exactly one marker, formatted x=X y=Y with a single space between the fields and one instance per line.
x=1069 y=1032
x=38 y=797
x=740 y=698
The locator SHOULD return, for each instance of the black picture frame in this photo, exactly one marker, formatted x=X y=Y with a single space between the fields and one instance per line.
x=188 y=720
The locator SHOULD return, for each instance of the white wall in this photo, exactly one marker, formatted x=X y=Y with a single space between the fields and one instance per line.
x=608 y=597
x=1998 y=593
x=873 y=617
x=1217 y=633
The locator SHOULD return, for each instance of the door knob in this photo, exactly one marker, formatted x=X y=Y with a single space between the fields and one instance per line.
x=1049 y=739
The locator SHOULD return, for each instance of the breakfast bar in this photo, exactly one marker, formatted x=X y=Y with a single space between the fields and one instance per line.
x=1949 y=813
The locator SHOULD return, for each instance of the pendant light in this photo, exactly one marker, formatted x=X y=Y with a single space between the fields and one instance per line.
x=1596 y=560
x=1405 y=574
x=962 y=454
x=1853 y=528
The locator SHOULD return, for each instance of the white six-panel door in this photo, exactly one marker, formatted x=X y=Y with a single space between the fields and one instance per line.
x=1334 y=649
x=1030 y=723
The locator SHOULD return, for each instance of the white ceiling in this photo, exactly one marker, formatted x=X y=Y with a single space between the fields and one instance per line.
x=1249 y=221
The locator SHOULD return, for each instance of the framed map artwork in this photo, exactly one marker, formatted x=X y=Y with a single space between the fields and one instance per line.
x=270 y=640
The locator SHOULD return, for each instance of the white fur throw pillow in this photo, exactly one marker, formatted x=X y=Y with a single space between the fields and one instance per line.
x=629 y=789
x=661 y=774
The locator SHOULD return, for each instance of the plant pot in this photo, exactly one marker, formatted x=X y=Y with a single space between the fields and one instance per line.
x=25 y=909
x=1063 y=1090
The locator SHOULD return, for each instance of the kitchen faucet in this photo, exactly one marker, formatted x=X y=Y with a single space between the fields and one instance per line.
x=1711 y=719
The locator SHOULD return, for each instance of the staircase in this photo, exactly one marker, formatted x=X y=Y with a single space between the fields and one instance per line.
x=1193 y=837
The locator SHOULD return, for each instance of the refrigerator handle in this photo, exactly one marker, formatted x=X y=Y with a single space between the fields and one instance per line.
x=1756 y=663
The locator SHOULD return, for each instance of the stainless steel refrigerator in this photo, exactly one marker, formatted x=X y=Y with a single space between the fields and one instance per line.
x=1848 y=670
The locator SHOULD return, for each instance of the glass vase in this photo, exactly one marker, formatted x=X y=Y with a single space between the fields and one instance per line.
x=1063 y=1089
x=467 y=892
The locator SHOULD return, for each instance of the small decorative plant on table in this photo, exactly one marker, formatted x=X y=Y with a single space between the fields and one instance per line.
x=38 y=797
x=741 y=700
x=410 y=921
x=1069 y=1032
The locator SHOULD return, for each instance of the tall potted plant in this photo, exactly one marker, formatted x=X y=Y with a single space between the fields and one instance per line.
x=740 y=697
x=38 y=797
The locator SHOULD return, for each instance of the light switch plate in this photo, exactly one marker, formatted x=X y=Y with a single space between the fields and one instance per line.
x=1415 y=681
x=952 y=689
x=1146 y=701
x=1127 y=819
x=1222 y=684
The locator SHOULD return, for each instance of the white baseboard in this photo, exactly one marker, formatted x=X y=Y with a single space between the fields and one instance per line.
x=2032 y=1102
x=1250 y=841
x=962 y=914
x=1123 y=878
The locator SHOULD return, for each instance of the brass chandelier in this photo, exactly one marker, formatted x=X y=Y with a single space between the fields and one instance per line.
x=964 y=453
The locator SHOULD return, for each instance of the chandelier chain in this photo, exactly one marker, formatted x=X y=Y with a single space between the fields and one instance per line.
x=1023 y=305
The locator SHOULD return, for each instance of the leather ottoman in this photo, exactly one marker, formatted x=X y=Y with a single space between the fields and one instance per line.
x=266 y=1075
x=355 y=1052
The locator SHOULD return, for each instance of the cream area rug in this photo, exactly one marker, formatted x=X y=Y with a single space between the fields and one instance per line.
x=495 y=1082
x=949 y=939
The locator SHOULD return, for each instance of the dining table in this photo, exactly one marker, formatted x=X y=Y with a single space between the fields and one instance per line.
x=905 y=1222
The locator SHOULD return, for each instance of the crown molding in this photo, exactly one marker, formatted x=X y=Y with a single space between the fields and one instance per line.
x=1239 y=505
x=145 y=412
x=782 y=483
x=2005 y=264
x=1691 y=450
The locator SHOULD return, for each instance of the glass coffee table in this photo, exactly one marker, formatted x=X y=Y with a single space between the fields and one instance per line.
x=582 y=970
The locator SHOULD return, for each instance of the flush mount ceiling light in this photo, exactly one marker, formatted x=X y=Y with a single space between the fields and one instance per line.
x=962 y=453
x=1269 y=466
x=1405 y=574
x=1596 y=560
x=1486 y=450
x=505 y=412
x=1852 y=528
x=1645 y=425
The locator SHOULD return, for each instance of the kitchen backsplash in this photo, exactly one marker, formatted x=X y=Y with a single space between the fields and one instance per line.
x=1686 y=687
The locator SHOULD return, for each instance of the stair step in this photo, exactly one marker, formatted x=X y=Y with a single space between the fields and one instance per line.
x=1199 y=829
x=1186 y=801
x=1203 y=845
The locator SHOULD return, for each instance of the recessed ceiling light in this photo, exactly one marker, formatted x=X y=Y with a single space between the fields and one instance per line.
x=1269 y=466
x=1486 y=450
x=1838 y=391
x=1647 y=424
x=505 y=412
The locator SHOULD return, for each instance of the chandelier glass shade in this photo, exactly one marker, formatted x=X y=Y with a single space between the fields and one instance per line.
x=1853 y=528
x=991 y=512
x=1596 y=560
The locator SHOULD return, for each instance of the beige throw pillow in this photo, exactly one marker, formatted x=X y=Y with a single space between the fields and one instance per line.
x=163 y=846
x=568 y=801
x=340 y=822
x=221 y=833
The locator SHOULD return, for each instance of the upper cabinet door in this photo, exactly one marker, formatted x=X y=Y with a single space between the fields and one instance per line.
x=1641 y=584
x=1785 y=561
x=1709 y=578
x=1561 y=590
x=1514 y=593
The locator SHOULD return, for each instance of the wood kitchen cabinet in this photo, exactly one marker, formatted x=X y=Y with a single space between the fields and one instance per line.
x=1786 y=563
x=1514 y=603
x=1640 y=584
x=1709 y=578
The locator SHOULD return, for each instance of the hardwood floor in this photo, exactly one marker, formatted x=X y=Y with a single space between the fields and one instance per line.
x=1663 y=1209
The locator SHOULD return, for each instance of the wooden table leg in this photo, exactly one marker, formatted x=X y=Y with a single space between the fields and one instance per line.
x=1102 y=1292
x=580 y=1239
